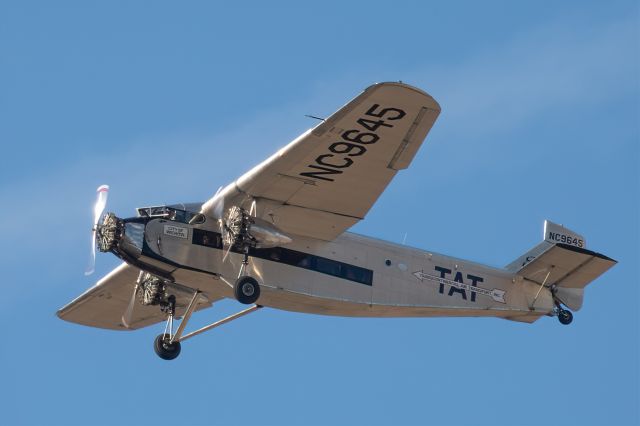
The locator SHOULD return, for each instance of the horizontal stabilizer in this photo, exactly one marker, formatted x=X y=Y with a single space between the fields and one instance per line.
x=570 y=268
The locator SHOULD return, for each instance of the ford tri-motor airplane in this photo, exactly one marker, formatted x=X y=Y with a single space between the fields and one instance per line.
x=277 y=237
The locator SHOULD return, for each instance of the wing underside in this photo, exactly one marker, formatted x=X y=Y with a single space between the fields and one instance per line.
x=104 y=304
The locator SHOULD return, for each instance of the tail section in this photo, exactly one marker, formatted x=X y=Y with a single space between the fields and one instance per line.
x=562 y=263
x=553 y=233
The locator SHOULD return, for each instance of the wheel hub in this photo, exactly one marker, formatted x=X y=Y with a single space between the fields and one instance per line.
x=248 y=289
x=164 y=349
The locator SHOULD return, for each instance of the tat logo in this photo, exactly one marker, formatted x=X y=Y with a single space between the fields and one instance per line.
x=459 y=286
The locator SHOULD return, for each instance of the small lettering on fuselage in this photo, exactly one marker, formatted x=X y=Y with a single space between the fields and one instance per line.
x=176 y=231
x=458 y=286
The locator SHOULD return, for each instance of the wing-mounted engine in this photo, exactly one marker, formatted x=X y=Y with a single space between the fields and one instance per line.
x=152 y=290
x=242 y=230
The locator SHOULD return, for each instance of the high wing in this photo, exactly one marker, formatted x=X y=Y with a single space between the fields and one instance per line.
x=104 y=304
x=327 y=179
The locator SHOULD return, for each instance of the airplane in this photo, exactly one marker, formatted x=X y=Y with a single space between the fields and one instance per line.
x=278 y=237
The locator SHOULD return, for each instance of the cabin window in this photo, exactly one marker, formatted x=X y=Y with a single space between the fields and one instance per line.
x=206 y=238
x=328 y=266
x=295 y=258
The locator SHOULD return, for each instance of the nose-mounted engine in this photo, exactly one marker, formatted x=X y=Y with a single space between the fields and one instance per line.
x=109 y=232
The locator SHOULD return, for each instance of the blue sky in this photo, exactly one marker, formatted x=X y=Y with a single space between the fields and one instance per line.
x=166 y=101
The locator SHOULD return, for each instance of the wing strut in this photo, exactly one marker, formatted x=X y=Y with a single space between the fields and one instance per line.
x=540 y=289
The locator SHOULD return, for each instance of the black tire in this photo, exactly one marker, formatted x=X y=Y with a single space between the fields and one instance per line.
x=164 y=349
x=247 y=290
x=565 y=317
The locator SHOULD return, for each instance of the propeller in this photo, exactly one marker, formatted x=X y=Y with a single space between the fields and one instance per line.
x=218 y=214
x=241 y=228
x=227 y=220
x=235 y=226
x=218 y=208
x=215 y=208
x=98 y=209
x=128 y=313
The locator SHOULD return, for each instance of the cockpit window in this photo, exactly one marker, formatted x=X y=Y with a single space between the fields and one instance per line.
x=196 y=219
x=169 y=213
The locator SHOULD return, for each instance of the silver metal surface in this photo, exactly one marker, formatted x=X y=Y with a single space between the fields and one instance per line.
x=133 y=238
x=312 y=191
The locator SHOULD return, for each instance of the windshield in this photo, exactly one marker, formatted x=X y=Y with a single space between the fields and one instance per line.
x=169 y=213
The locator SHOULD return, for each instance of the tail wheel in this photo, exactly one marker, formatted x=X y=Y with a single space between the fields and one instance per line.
x=565 y=317
x=247 y=290
x=165 y=349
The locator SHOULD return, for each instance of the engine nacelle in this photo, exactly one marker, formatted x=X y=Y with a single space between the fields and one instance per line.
x=244 y=230
x=266 y=234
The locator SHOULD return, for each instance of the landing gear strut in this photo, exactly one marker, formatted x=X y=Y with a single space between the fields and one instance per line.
x=564 y=315
x=164 y=344
x=167 y=344
x=246 y=288
x=236 y=234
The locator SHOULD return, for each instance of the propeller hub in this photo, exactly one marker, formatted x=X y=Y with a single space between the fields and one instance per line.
x=109 y=232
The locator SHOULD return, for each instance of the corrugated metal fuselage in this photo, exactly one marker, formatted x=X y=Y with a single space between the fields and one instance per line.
x=350 y=276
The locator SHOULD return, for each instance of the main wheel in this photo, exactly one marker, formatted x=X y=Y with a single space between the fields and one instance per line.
x=246 y=290
x=164 y=349
x=565 y=317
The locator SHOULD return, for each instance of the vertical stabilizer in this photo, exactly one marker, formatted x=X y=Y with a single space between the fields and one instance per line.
x=552 y=234
x=555 y=233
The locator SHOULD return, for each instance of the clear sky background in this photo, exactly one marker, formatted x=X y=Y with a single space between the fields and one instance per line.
x=166 y=101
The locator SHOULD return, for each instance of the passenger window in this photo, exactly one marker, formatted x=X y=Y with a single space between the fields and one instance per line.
x=206 y=238
x=327 y=266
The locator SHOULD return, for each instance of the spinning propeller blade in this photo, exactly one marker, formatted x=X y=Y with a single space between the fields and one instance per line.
x=218 y=208
x=215 y=209
x=218 y=214
x=126 y=317
x=226 y=252
x=98 y=209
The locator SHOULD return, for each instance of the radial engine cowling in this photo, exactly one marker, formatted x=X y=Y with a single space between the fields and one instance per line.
x=243 y=229
x=109 y=232
x=266 y=234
